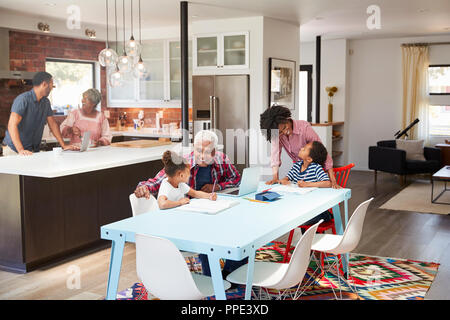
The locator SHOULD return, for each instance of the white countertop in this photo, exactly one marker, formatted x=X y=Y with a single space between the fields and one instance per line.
x=49 y=165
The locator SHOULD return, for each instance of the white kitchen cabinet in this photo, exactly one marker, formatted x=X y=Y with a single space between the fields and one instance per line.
x=162 y=86
x=220 y=51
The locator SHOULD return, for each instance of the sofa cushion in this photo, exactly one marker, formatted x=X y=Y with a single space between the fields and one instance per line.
x=418 y=166
x=413 y=148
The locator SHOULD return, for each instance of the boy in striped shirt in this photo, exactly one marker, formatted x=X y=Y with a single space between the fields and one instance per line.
x=308 y=172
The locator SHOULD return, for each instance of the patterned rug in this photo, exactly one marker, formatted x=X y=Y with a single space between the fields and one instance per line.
x=375 y=278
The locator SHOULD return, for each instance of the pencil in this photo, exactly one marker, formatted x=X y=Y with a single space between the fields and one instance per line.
x=253 y=200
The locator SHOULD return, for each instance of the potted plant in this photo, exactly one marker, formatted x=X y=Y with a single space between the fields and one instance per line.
x=331 y=91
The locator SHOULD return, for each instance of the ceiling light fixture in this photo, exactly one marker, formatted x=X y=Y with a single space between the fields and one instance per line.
x=115 y=78
x=125 y=62
x=90 y=33
x=132 y=47
x=44 y=27
x=140 y=70
x=107 y=57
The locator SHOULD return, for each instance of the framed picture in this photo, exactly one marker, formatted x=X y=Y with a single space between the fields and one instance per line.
x=282 y=83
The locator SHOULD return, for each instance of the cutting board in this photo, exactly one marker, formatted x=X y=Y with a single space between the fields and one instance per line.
x=140 y=143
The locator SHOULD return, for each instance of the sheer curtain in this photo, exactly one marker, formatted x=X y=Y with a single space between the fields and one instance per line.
x=415 y=99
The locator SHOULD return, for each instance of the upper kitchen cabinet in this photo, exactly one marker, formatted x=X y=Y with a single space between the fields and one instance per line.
x=162 y=85
x=214 y=52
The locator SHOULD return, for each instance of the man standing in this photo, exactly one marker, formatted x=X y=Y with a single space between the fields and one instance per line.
x=29 y=113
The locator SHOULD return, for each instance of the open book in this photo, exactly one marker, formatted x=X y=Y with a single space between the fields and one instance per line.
x=292 y=188
x=208 y=206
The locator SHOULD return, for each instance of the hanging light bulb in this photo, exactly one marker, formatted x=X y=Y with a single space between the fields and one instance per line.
x=124 y=63
x=132 y=47
x=115 y=78
x=107 y=57
x=140 y=70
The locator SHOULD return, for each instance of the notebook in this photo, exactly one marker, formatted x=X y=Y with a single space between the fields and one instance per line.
x=292 y=188
x=208 y=206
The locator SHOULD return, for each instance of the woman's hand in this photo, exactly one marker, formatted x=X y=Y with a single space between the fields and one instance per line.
x=273 y=181
x=335 y=185
x=76 y=131
x=183 y=201
x=284 y=181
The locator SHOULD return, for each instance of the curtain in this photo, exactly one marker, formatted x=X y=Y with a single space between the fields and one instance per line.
x=415 y=64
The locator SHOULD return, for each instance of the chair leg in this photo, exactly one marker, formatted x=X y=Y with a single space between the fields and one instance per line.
x=375 y=175
x=288 y=246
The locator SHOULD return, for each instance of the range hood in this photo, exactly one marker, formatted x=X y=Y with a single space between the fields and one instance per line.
x=5 y=73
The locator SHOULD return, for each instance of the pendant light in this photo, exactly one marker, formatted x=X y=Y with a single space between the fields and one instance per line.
x=107 y=57
x=132 y=47
x=140 y=70
x=125 y=62
x=115 y=78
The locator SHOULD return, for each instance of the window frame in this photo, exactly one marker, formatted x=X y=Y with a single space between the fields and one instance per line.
x=437 y=93
x=93 y=63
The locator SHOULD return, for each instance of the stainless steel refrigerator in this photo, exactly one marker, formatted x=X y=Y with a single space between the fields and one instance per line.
x=221 y=102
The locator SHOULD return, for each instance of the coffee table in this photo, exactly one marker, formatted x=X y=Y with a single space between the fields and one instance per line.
x=441 y=175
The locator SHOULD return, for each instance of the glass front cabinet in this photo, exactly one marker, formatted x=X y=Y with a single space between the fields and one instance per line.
x=162 y=85
x=221 y=51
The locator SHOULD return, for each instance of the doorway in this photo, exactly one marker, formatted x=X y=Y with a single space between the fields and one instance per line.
x=305 y=92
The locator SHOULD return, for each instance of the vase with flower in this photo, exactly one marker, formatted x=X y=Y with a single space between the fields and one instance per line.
x=331 y=91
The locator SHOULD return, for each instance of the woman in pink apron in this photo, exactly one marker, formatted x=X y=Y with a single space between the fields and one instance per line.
x=89 y=119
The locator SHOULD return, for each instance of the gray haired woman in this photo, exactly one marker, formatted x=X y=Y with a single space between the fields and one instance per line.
x=87 y=118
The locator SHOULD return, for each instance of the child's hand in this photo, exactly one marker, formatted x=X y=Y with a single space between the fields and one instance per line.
x=302 y=183
x=184 y=201
x=213 y=196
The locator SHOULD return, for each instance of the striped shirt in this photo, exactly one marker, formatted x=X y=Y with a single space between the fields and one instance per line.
x=313 y=173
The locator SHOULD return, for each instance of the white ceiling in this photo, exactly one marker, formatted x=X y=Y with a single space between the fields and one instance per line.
x=329 y=18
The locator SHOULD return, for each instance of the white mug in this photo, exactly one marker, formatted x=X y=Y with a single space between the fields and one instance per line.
x=57 y=151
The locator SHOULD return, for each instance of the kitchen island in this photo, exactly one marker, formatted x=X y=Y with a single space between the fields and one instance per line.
x=54 y=205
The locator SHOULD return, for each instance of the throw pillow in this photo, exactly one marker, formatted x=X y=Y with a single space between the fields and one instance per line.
x=413 y=148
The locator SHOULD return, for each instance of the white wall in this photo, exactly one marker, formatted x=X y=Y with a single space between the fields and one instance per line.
x=375 y=91
x=281 y=40
x=334 y=72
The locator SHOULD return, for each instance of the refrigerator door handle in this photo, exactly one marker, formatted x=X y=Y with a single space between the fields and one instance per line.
x=215 y=112
x=211 y=111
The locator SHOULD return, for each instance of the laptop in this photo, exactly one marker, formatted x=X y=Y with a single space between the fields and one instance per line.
x=249 y=183
x=84 y=143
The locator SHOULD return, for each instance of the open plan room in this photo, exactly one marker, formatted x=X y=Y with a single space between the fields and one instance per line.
x=250 y=151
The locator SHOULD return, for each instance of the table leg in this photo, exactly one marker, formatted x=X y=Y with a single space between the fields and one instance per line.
x=114 y=268
x=250 y=268
x=216 y=276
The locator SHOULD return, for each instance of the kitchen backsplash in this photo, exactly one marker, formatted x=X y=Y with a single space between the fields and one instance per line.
x=169 y=115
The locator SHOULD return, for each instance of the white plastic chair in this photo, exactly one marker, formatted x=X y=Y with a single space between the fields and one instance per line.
x=342 y=244
x=142 y=205
x=280 y=276
x=163 y=271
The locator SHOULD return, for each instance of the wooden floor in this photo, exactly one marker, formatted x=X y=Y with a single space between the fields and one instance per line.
x=386 y=233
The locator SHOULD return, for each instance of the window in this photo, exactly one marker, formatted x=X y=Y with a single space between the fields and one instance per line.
x=439 y=79
x=439 y=120
x=71 y=79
